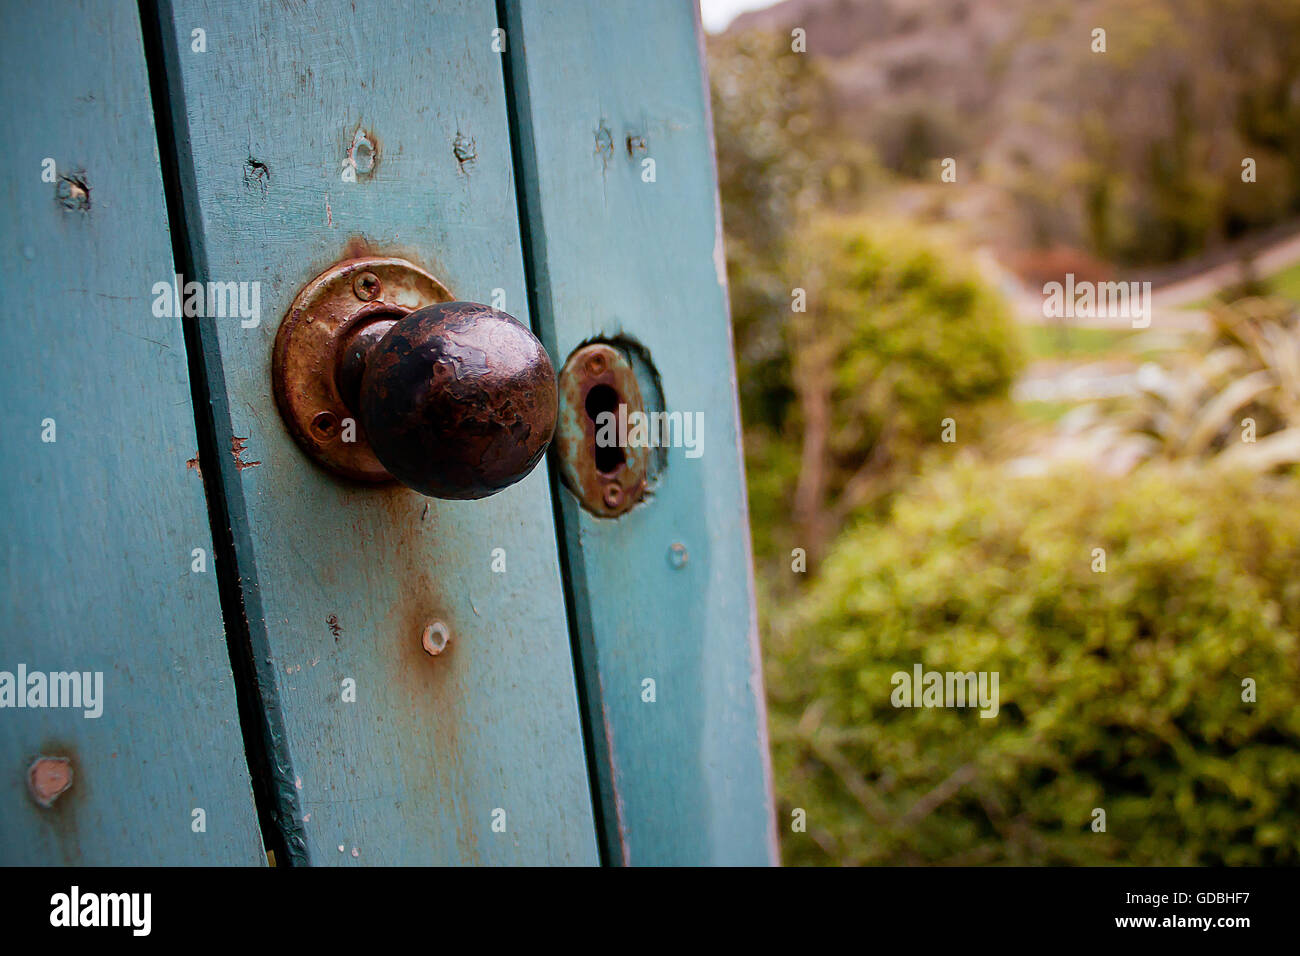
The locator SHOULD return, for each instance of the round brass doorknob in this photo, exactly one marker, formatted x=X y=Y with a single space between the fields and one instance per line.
x=457 y=400
x=378 y=376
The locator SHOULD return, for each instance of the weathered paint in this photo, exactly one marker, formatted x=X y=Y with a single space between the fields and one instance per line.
x=100 y=525
x=342 y=581
x=684 y=779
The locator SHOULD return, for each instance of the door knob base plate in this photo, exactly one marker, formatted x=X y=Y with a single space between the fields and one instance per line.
x=341 y=309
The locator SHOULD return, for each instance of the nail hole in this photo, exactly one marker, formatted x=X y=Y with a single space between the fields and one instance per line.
x=363 y=154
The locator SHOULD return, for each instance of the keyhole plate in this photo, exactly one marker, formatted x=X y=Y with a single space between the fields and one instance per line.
x=598 y=386
x=326 y=319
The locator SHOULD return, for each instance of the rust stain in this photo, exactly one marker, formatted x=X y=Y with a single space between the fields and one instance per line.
x=192 y=464
x=48 y=777
x=357 y=247
x=335 y=628
x=237 y=452
x=428 y=694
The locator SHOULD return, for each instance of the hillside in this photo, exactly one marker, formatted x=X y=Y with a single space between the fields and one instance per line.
x=1132 y=154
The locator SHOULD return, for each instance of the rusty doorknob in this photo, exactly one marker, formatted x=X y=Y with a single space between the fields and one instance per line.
x=379 y=375
x=457 y=400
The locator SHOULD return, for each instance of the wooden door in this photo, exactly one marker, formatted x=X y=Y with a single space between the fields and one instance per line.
x=600 y=699
x=101 y=505
x=341 y=580
x=626 y=242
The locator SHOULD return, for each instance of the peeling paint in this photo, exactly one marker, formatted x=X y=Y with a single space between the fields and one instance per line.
x=604 y=144
x=257 y=176
x=237 y=452
x=363 y=154
x=73 y=192
x=465 y=150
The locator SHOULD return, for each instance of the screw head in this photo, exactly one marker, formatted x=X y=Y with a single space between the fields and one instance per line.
x=613 y=495
x=325 y=425
x=436 y=638
x=366 y=286
x=47 y=778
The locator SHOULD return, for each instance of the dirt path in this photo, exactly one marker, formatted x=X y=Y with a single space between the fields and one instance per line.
x=1271 y=259
x=1168 y=303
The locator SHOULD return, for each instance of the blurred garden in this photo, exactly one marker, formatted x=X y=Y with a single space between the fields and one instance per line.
x=1106 y=516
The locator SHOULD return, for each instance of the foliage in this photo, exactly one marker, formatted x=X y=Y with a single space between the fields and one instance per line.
x=1134 y=153
x=1120 y=690
x=1246 y=372
x=1203 y=84
x=899 y=334
x=781 y=154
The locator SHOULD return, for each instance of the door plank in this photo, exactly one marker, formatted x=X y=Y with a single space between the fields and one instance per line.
x=683 y=780
x=100 y=524
x=341 y=580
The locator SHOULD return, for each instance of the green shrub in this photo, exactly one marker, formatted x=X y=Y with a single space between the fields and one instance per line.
x=899 y=334
x=1120 y=690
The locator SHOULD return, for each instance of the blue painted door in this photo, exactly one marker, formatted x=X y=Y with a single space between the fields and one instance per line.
x=106 y=562
x=625 y=234
x=600 y=698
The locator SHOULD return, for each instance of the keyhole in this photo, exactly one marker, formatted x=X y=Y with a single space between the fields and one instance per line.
x=603 y=398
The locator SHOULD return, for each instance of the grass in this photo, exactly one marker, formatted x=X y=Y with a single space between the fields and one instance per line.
x=1046 y=412
x=1287 y=282
x=1063 y=342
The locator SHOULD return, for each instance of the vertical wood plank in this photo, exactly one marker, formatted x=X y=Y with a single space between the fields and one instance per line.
x=598 y=88
x=100 y=524
x=341 y=580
